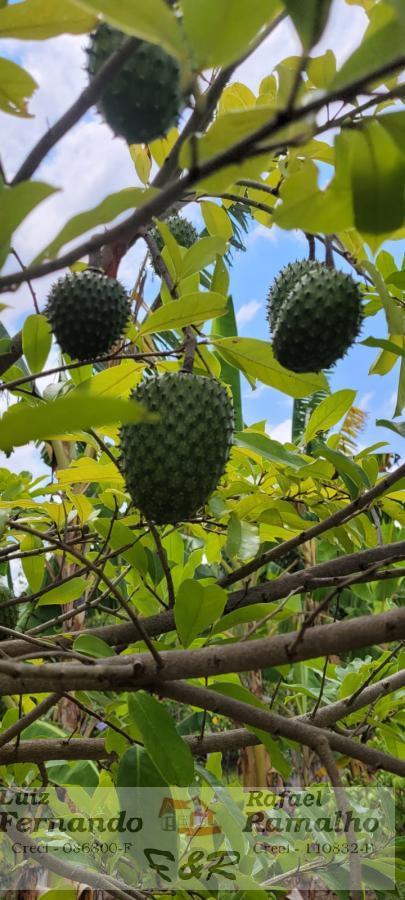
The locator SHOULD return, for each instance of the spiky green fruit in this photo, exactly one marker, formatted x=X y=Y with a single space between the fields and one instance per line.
x=88 y=312
x=8 y=614
x=182 y=230
x=145 y=98
x=283 y=284
x=318 y=321
x=172 y=466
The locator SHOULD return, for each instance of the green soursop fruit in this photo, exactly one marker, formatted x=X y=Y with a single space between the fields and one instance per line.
x=283 y=284
x=182 y=230
x=8 y=614
x=145 y=98
x=88 y=312
x=319 y=320
x=172 y=466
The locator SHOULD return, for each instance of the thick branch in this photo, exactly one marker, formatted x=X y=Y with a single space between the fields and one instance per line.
x=129 y=672
x=292 y=729
x=94 y=748
x=327 y=574
x=362 y=502
x=18 y=727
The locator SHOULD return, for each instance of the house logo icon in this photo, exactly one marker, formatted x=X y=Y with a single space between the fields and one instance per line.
x=191 y=817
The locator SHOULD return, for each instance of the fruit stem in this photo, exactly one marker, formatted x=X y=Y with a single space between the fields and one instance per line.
x=190 y=344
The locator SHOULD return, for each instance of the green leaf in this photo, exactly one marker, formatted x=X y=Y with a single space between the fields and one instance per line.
x=150 y=20
x=329 y=412
x=23 y=423
x=16 y=88
x=353 y=475
x=255 y=358
x=202 y=254
x=92 y=646
x=322 y=69
x=377 y=171
x=37 y=20
x=400 y=404
x=379 y=46
x=398 y=427
x=306 y=206
x=225 y=131
x=119 y=535
x=392 y=313
x=17 y=202
x=389 y=346
x=310 y=19
x=192 y=308
x=216 y=219
x=37 y=341
x=64 y=593
x=397 y=279
x=220 y=32
x=102 y=214
x=268 y=449
x=136 y=769
x=226 y=326
x=115 y=382
x=197 y=607
x=33 y=566
x=171 y=756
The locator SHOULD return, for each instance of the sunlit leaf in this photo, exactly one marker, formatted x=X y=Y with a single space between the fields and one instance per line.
x=16 y=88
x=102 y=214
x=329 y=412
x=197 y=606
x=221 y=32
x=17 y=202
x=151 y=20
x=256 y=359
x=22 y=423
x=36 y=20
x=193 y=308
x=37 y=340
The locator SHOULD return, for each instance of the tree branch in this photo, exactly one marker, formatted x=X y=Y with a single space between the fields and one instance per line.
x=94 y=748
x=292 y=729
x=362 y=502
x=131 y=671
x=18 y=727
x=323 y=575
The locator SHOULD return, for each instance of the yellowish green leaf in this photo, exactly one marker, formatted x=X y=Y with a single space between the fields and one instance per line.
x=329 y=412
x=37 y=341
x=255 y=358
x=16 y=88
x=216 y=219
x=37 y=20
x=191 y=309
x=151 y=20
x=23 y=423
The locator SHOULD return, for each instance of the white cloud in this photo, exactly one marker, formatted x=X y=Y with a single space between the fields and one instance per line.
x=280 y=432
x=247 y=312
x=25 y=459
x=365 y=401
